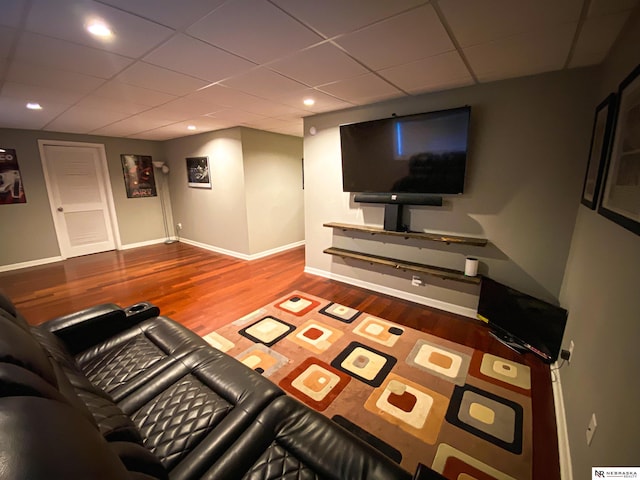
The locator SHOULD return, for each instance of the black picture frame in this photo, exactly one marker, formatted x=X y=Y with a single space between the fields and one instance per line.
x=198 y=172
x=139 y=179
x=620 y=200
x=598 y=151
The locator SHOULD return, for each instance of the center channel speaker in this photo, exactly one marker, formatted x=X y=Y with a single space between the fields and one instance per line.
x=399 y=198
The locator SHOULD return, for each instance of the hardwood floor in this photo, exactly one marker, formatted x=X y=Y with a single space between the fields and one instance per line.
x=204 y=290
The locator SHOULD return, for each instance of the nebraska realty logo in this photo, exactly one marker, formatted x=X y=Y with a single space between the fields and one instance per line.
x=614 y=472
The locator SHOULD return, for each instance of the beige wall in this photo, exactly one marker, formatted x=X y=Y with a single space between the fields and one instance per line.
x=601 y=292
x=273 y=181
x=528 y=148
x=27 y=229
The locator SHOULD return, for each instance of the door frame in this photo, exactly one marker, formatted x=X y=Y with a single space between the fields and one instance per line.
x=111 y=208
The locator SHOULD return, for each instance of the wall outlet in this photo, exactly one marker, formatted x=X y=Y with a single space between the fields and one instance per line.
x=416 y=281
x=179 y=226
x=591 y=428
x=571 y=345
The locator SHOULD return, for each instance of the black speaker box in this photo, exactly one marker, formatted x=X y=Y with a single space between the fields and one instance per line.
x=399 y=198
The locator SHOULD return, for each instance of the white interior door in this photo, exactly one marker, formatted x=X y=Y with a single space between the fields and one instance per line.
x=77 y=183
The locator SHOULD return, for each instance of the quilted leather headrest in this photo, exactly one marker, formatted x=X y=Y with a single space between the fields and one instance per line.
x=18 y=347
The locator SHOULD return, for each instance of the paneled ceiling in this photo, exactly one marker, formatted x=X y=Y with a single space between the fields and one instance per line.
x=213 y=64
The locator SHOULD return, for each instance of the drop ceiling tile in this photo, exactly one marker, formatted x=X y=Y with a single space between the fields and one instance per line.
x=253 y=29
x=171 y=13
x=319 y=65
x=14 y=114
x=235 y=117
x=519 y=55
x=333 y=17
x=83 y=120
x=360 y=90
x=605 y=7
x=31 y=74
x=7 y=34
x=64 y=55
x=323 y=101
x=132 y=125
x=411 y=36
x=224 y=96
x=66 y=19
x=184 y=108
x=218 y=95
x=474 y=22
x=434 y=73
x=11 y=12
x=42 y=95
x=130 y=93
x=179 y=129
x=596 y=38
x=295 y=129
x=264 y=83
x=149 y=76
x=111 y=104
x=199 y=59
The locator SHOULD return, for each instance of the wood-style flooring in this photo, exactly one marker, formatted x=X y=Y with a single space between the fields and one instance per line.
x=203 y=290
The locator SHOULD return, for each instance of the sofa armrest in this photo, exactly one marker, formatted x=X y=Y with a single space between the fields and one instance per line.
x=93 y=325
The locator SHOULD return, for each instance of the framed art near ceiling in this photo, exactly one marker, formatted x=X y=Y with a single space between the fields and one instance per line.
x=621 y=194
x=198 y=175
x=139 y=180
x=600 y=137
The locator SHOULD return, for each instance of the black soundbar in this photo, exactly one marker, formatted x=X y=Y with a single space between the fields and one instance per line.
x=399 y=198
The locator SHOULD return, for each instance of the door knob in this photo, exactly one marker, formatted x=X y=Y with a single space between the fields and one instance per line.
x=60 y=209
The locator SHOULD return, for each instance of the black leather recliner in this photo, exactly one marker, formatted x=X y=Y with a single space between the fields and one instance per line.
x=124 y=393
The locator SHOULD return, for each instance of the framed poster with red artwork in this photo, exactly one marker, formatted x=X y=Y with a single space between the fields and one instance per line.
x=139 y=180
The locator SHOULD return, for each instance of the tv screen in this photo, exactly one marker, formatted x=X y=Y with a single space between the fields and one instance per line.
x=534 y=324
x=423 y=153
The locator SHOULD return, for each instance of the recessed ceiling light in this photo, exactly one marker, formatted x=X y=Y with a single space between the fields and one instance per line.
x=309 y=101
x=99 y=29
x=191 y=127
x=34 y=106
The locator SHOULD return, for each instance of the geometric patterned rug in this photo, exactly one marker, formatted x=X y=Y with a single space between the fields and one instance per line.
x=414 y=396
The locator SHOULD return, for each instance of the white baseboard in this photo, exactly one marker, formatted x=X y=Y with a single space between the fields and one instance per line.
x=430 y=302
x=242 y=256
x=566 y=470
x=146 y=243
x=31 y=263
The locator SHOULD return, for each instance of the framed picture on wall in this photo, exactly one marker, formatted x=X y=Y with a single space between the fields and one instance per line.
x=600 y=139
x=11 y=190
x=139 y=180
x=621 y=194
x=198 y=174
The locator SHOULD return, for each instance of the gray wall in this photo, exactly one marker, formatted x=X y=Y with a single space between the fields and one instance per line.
x=528 y=148
x=273 y=181
x=601 y=292
x=214 y=217
x=28 y=231
x=255 y=203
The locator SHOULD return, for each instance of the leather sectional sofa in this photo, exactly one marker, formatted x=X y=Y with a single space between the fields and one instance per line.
x=113 y=393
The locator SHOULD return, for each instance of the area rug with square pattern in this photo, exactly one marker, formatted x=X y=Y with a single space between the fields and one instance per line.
x=414 y=396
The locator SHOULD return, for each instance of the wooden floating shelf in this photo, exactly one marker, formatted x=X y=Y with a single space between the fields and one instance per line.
x=445 y=273
x=434 y=237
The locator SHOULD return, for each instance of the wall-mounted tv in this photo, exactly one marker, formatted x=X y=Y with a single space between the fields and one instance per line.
x=424 y=153
x=521 y=320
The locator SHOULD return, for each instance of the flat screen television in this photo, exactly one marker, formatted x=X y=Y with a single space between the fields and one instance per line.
x=424 y=153
x=521 y=320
